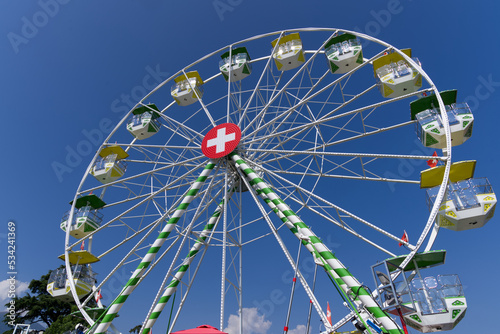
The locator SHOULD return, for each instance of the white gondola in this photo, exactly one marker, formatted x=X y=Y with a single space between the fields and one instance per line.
x=288 y=54
x=187 y=88
x=343 y=53
x=427 y=304
x=109 y=167
x=144 y=122
x=239 y=64
x=429 y=123
x=86 y=217
x=395 y=77
x=470 y=202
x=25 y=329
x=58 y=283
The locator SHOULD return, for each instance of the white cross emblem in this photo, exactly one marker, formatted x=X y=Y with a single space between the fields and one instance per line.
x=220 y=141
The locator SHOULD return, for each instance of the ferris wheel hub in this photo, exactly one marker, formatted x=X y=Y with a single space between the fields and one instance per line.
x=221 y=140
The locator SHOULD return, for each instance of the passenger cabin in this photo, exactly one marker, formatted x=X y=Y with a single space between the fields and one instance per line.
x=425 y=303
x=109 y=166
x=58 y=283
x=187 y=88
x=395 y=76
x=86 y=217
x=470 y=202
x=237 y=65
x=144 y=122
x=429 y=124
x=288 y=53
x=343 y=53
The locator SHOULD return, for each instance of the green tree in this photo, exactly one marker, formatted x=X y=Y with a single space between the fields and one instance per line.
x=64 y=324
x=135 y=330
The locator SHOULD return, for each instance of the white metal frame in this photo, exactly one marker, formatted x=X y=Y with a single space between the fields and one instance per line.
x=165 y=170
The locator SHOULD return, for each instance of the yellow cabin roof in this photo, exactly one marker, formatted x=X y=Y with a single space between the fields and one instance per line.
x=115 y=149
x=389 y=58
x=80 y=257
x=459 y=171
x=286 y=38
x=192 y=74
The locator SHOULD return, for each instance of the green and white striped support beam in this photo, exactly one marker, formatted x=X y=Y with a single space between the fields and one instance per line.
x=172 y=287
x=294 y=230
x=115 y=307
x=332 y=266
x=289 y=224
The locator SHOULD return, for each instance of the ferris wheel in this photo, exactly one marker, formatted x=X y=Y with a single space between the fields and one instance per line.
x=290 y=131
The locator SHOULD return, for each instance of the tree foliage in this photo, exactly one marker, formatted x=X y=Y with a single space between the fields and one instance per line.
x=135 y=330
x=63 y=324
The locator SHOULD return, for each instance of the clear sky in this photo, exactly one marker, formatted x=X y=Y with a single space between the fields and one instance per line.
x=69 y=68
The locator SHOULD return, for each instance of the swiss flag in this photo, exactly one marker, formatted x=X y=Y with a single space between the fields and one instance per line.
x=98 y=296
x=433 y=162
x=82 y=246
x=328 y=313
x=404 y=238
x=221 y=140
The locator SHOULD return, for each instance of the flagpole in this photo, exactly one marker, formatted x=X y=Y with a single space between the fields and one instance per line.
x=310 y=303
x=294 y=281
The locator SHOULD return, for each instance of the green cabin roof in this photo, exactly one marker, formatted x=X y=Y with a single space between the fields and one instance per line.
x=149 y=107
x=427 y=102
x=339 y=39
x=424 y=260
x=235 y=51
x=92 y=200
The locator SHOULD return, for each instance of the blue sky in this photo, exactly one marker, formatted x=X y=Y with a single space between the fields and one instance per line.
x=70 y=69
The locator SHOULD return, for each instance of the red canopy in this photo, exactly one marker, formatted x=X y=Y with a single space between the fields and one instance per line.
x=203 y=329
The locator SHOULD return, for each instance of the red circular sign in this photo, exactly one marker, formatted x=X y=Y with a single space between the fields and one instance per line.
x=221 y=140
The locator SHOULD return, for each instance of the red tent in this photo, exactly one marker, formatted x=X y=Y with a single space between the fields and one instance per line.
x=203 y=329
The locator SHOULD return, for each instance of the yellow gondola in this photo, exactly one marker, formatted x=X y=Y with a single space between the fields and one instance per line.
x=288 y=54
x=59 y=287
x=470 y=202
x=109 y=166
x=187 y=88
x=395 y=76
